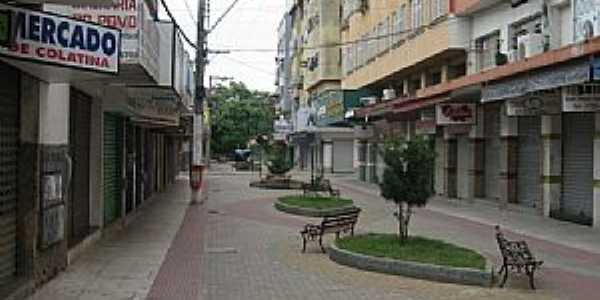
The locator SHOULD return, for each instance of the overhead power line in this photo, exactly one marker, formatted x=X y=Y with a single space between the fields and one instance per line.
x=185 y=37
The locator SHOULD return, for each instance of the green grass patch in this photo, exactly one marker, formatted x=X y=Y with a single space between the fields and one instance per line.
x=315 y=202
x=416 y=249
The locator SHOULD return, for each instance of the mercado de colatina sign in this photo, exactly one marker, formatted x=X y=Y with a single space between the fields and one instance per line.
x=58 y=40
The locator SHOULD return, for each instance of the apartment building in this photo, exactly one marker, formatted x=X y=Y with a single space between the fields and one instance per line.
x=509 y=108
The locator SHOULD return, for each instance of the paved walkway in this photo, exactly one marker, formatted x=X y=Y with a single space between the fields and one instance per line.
x=123 y=266
x=237 y=246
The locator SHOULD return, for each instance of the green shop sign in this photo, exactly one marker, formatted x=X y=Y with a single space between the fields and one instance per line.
x=5 y=28
x=331 y=106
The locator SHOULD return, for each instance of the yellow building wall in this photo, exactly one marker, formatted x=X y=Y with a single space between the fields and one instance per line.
x=433 y=40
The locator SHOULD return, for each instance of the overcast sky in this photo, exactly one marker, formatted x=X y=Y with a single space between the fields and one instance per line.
x=252 y=24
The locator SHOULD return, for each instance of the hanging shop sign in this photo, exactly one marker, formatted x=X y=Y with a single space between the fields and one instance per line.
x=581 y=98
x=534 y=105
x=63 y=41
x=455 y=113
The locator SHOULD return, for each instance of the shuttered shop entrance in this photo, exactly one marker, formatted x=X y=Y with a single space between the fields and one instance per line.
x=528 y=170
x=462 y=167
x=9 y=147
x=113 y=133
x=492 y=151
x=578 y=161
x=79 y=149
x=343 y=156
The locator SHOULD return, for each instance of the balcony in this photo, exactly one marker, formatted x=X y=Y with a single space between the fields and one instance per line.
x=443 y=37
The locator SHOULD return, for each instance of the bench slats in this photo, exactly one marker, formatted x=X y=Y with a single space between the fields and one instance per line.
x=342 y=222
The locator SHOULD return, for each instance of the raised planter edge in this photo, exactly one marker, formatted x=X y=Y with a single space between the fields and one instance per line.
x=308 y=212
x=417 y=270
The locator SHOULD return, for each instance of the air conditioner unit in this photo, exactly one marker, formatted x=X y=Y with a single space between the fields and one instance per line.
x=534 y=45
x=389 y=94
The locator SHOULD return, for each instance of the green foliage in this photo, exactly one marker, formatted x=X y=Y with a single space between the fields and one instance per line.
x=239 y=114
x=407 y=177
x=277 y=160
x=316 y=202
x=418 y=249
x=408 y=173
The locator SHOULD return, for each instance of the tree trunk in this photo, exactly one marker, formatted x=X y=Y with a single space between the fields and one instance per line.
x=403 y=216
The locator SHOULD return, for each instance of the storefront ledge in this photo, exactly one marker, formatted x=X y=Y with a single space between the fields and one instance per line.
x=21 y=288
x=430 y=272
x=307 y=212
x=74 y=253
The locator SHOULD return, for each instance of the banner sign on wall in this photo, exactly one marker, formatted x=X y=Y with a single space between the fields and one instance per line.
x=455 y=113
x=63 y=41
x=581 y=98
x=534 y=105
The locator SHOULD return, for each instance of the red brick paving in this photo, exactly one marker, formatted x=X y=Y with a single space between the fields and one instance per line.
x=179 y=276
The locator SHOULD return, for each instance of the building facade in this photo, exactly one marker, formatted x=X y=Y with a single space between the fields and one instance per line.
x=90 y=128
x=503 y=93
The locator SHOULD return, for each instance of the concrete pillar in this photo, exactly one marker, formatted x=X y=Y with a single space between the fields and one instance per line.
x=53 y=141
x=405 y=87
x=596 y=203
x=444 y=73
x=477 y=146
x=551 y=163
x=509 y=131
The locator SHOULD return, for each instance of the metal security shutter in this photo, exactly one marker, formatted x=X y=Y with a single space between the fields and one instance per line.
x=362 y=161
x=9 y=148
x=139 y=164
x=343 y=153
x=440 y=161
x=462 y=167
x=79 y=148
x=492 y=151
x=528 y=170
x=113 y=134
x=578 y=162
x=130 y=173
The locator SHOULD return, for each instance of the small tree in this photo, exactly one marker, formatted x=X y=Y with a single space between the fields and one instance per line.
x=407 y=177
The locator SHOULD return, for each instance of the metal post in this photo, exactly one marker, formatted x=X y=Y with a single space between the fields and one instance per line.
x=198 y=139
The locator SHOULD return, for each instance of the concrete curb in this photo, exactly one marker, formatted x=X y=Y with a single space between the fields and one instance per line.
x=308 y=212
x=412 y=269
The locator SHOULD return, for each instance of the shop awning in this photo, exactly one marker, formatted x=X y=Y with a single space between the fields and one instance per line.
x=574 y=72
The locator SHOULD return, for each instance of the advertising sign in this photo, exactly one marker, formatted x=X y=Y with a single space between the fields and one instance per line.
x=581 y=98
x=52 y=39
x=533 y=105
x=425 y=127
x=140 y=36
x=455 y=113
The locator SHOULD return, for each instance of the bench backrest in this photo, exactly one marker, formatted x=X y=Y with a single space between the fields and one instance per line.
x=345 y=220
x=513 y=251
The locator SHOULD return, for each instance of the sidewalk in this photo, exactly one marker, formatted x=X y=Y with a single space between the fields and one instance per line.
x=125 y=265
x=563 y=233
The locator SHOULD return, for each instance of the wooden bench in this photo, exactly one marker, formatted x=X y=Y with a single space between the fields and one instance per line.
x=516 y=256
x=338 y=223
x=320 y=185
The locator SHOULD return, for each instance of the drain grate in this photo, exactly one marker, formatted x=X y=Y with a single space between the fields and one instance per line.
x=214 y=212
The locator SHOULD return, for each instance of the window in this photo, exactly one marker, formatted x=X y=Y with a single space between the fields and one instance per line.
x=380 y=39
x=417 y=13
x=399 y=25
x=386 y=34
x=394 y=36
x=437 y=9
x=487 y=47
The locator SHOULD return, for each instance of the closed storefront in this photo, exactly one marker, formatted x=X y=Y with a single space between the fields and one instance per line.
x=342 y=156
x=440 y=162
x=139 y=166
x=462 y=167
x=130 y=167
x=578 y=160
x=149 y=165
x=373 y=161
x=79 y=149
x=528 y=170
x=113 y=135
x=327 y=156
x=9 y=149
x=492 y=151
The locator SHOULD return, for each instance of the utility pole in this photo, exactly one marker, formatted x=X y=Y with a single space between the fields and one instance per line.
x=198 y=163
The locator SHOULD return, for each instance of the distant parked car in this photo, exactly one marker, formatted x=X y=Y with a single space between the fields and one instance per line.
x=241 y=154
